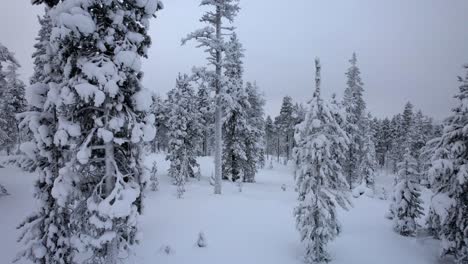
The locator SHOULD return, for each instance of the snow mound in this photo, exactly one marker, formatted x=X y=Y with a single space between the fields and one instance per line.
x=362 y=189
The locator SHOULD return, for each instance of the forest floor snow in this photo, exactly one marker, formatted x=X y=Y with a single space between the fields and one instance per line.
x=253 y=226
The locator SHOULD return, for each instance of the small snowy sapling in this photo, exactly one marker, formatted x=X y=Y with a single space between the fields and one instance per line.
x=201 y=242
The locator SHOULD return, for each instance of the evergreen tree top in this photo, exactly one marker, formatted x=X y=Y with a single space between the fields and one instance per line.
x=317 y=77
x=228 y=9
x=233 y=60
x=7 y=56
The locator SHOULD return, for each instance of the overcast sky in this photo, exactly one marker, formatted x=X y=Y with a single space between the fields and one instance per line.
x=407 y=50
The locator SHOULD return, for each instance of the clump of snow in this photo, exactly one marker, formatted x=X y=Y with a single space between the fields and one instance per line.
x=116 y=123
x=62 y=186
x=66 y=129
x=78 y=22
x=120 y=203
x=128 y=58
x=83 y=155
x=105 y=134
x=35 y=94
x=111 y=88
x=39 y=251
x=86 y=91
x=144 y=131
x=150 y=5
x=29 y=149
x=143 y=100
x=362 y=189
x=135 y=37
x=440 y=203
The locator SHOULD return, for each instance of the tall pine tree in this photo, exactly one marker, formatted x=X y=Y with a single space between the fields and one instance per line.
x=355 y=107
x=211 y=37
x=321 y=143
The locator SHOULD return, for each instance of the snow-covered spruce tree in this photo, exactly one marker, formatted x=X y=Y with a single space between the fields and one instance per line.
x=449 y=180
x=184 y=131
x=368 y=164
x=11 y=99
x=205 y=106
x=285 y=125
x=406 y=206
x=396 y=133
x=100 y=109
x=211 y=38
x=236 y=104
x=45 y=233
x=254 y=139
x=269 y=137
x=403 y=138
x=383 y=142
x=161 y=111
x=154 y=185
x=355 y=108
x=418 y=136
x=321 y=143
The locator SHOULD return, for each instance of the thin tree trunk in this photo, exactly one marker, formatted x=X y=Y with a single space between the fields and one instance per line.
x=205 y=143
x=109 y=175
x=218 y=111
x=111 y=249
x=278 y=149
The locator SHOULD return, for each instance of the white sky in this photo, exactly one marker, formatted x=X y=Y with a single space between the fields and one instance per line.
x=407 y=50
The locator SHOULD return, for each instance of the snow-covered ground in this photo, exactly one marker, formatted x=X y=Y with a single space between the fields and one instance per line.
x=253 y=226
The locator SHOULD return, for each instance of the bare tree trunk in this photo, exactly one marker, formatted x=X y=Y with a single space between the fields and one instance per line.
x=218 y=111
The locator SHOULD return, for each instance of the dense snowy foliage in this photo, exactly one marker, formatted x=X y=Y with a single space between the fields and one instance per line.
x=368 y=166
x=88 y=119
x=406 y=206
x=355 y=107
x=45 y=232
x=449 y=180
x=184 y=132
x=11 y=100
x=255 y=144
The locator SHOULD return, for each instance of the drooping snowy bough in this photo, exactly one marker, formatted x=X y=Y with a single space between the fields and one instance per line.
x=89 y=121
